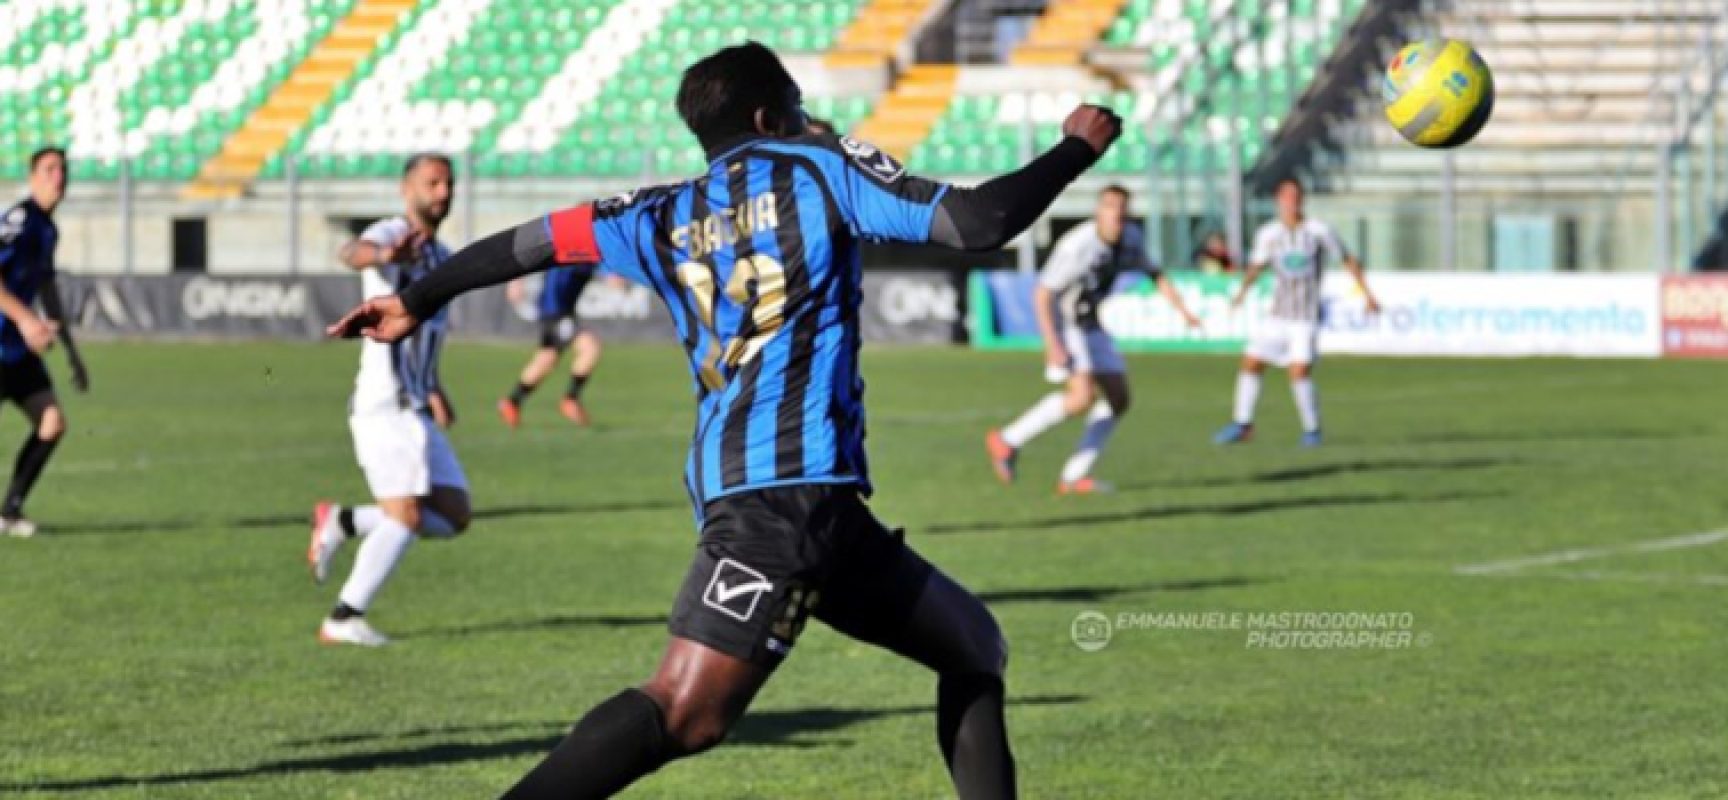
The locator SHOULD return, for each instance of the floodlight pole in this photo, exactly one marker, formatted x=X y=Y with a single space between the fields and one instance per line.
x=291 y=173
x=1664 y=208
x=126 y=213
x=1449 y=211
x=1233 y=201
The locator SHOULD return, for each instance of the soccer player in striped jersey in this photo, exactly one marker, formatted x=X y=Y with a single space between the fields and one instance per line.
x=397 y=415
x=758 y=261
x=27 y=241
x=1078 y=352
x=560 y=328
x=1298 y=249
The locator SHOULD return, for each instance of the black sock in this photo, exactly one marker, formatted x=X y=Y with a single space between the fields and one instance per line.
x=576 y=384
x=520 y=393
x=345 y=520
x=345 y=611
x=32 y=457
x=974 y=736
x=619 y=741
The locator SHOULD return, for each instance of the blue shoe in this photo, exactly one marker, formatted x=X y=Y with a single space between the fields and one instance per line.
x=1234 y=433
x=1311 y=439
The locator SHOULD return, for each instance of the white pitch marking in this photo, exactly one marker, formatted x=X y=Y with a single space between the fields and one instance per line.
x=1588 y=553
x=1620 y=577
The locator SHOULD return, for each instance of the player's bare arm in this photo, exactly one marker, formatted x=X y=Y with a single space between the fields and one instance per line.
x=1354 y=267
x=1167 y=288
x=55 y=310
x=361 y=254
x=38 y=333
x=1055 y=355
x=443 y=412
x=1248 y=279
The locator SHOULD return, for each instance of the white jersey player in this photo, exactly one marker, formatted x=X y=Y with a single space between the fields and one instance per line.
x=1298 y=250
x=1080 y=274
x=397 y=416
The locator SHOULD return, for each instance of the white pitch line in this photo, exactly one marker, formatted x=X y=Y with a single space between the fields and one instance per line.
x=1588 y=553
x=1617 y=577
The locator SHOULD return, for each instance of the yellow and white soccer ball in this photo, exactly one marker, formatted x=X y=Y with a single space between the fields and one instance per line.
x=1438 y=93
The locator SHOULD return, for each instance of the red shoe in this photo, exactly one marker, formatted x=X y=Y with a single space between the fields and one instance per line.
x=572 y=410
x=1002 y=455
x=511 y=415
x=1084 y=486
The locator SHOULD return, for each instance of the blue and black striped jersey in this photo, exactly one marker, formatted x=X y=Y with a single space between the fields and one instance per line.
x=758 y=261
x=27 y=241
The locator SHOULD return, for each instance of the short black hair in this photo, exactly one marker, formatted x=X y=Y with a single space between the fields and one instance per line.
x=1117 y=188
x=1289 y=180
x=44 y=152
x=720 y=94
x=420 y=158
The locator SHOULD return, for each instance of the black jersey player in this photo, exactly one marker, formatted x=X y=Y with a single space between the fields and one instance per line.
x=758 y=261
x=28 y=239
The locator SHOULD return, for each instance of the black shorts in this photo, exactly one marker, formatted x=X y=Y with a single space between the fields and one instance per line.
x=23 y=379
x=556 y=333
x=769 y=559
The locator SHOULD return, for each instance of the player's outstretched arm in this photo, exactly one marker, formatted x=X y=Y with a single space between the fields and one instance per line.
x=1173 y=296
x=1354 y=267
x=989 y=215
x=501 y=257
x=1249 y=276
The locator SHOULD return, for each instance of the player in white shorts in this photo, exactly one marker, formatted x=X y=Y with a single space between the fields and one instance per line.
x=397 y=416
x=1078 y=351
x=1298 y=250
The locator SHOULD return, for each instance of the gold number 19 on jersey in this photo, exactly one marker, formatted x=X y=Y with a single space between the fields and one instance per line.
x=758 y=286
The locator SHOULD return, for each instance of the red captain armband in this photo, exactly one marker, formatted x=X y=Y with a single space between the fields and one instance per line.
x=573 y=235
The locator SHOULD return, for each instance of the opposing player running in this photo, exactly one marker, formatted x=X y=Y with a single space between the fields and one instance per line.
x=27 y=241
x=560 y=328
x=397 y=415
x=1297 y=249
x=758 y=261
x=1078 y=352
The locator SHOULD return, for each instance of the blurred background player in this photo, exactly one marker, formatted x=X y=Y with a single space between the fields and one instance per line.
x=560 y=327
x=1298 y=250
x=27 y=241
x=1078 y=352
x=397 y=415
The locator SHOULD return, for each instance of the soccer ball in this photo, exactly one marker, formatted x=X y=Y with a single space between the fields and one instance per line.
x=1439 y=93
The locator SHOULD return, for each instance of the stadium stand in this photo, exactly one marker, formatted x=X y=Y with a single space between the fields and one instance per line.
x=222 y=92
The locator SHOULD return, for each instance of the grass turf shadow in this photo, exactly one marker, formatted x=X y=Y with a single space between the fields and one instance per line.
x=1228 y=509
x=778 y=728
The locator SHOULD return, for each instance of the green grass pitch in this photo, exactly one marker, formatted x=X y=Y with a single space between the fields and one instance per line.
x=157 y=641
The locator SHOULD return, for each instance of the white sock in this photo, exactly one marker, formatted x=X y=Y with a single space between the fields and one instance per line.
x=1307 y=403
x=1045 y=414
x=1100 y=423
x=378 y=556
x=365 y=519
x=1247 y=396
x=435 y=526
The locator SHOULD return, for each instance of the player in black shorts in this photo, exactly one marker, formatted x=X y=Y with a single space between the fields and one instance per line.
x=758 y=262
x=560 y=327
x=27 y=241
